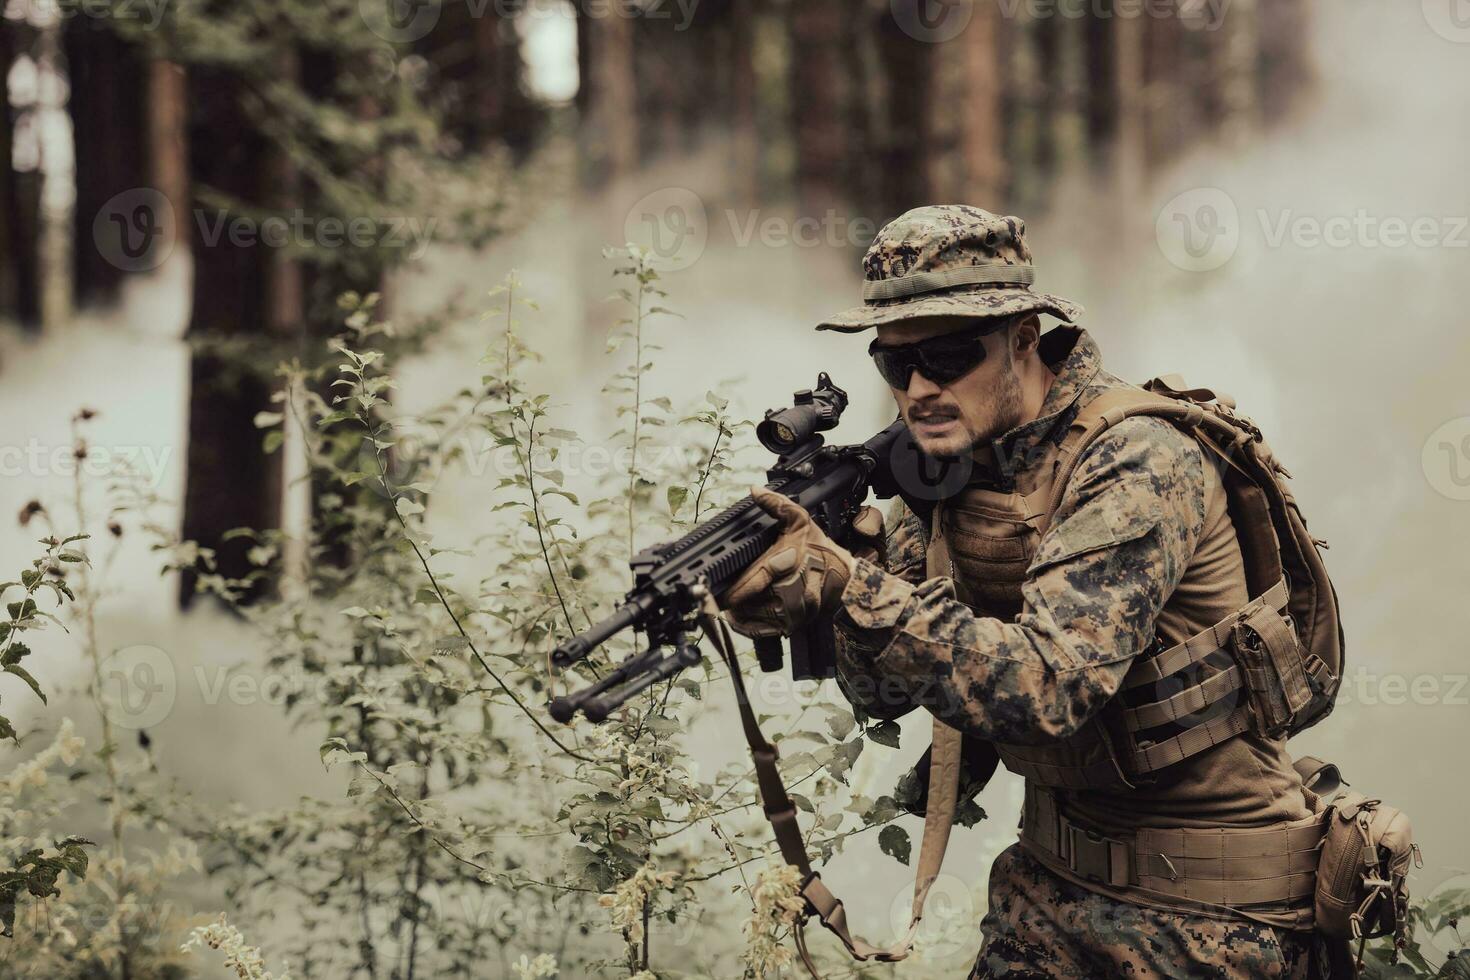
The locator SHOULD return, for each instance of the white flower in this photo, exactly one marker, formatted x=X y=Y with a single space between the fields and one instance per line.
x=778 y=904
x=543 y=965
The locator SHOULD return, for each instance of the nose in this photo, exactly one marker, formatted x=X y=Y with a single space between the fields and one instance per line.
x=920 y=387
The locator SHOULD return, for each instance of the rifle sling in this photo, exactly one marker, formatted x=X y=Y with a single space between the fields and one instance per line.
x=781 y=814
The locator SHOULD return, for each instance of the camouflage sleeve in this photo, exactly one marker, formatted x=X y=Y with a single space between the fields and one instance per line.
x=1119 y=543
x=905 y=544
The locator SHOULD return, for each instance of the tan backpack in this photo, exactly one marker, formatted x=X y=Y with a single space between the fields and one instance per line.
x=1292 y=685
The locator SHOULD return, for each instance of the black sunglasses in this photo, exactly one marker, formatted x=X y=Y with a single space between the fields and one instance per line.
x=942 y=359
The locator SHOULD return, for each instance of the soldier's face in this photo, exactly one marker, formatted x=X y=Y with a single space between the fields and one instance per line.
x=950 y=419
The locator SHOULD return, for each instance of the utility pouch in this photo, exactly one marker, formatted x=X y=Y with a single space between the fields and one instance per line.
x=1362 y=890
x=1270 y=655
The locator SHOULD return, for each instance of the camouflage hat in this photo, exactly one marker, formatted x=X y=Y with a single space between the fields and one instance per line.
x=948 y=260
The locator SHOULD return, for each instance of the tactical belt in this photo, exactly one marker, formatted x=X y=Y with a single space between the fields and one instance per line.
x=1210 y=871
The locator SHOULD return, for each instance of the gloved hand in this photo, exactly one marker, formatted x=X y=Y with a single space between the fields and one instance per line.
x=801 y=576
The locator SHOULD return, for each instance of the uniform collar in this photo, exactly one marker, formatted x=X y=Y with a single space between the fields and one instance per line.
x=1075 y=359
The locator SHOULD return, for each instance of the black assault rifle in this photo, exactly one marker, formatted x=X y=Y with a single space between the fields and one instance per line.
x=671 y=580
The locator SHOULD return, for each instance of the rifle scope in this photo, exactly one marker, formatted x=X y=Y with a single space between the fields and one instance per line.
x=812 y=411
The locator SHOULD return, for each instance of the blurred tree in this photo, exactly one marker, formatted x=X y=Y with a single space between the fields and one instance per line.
x=608 y=136
x=109 y=108
x=1166 y=109
x=20 y=197
x=969 y=96
x=1285 y=70
x=819 y=94
x=903 y=133
x=478 y=74
x=237 y=292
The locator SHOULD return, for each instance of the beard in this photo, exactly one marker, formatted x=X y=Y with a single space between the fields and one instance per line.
x=997 y=414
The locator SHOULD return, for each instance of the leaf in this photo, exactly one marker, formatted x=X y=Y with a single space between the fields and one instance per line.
x=885 y=733
x=25 y=675
x=883 y=810
x=267 y=420
x=843 y=757
x=677 y=496
x=893 y=840
x=840 y=721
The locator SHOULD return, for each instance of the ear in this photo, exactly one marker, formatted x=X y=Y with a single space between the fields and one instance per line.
x=1026 y=335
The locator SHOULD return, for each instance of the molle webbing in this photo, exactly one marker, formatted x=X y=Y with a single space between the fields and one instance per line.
x=1089 y=775
x=1214 y=870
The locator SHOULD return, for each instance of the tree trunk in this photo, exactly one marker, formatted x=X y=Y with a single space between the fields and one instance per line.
x=230 y=482
x=745 y=143
x=19 y=205
x=1286 y=71
x=1238 y=71
x=816 y=103
x=609 y=131
x=479 y=78
x=1165 y=115
x=1100 y=107
x=1129 y=99
x=168 y=158
x=109 y=111
x=904 y=142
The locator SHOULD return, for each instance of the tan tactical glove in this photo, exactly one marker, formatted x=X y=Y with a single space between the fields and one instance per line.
x=801 y=576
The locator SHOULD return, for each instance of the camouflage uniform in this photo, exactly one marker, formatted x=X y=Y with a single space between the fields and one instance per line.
x=1089 y=612
x=1040 y=926
x=1062 y=575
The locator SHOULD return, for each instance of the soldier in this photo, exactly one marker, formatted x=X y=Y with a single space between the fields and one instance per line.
x=1164 y=833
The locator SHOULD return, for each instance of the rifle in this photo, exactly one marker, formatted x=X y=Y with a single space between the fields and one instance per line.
x=671 y=598
x=672 y=580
